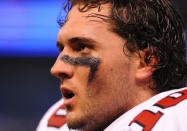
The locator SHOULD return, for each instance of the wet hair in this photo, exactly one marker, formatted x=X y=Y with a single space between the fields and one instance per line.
x=152 y=26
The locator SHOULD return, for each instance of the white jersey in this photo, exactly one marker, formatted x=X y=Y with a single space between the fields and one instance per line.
x=166 y=111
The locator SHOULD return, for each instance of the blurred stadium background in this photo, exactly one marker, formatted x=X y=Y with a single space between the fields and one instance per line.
x=28 y=32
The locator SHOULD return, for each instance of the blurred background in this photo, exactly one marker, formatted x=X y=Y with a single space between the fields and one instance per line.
x=28 y=33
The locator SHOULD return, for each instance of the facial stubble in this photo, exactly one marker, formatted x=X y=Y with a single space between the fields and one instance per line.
x=91 y=62
x=89 y=121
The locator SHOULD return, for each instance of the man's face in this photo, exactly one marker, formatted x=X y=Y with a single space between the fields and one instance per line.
x=96 y=76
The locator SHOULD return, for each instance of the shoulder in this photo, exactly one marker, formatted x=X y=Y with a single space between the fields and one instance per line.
x=54 y=118
x=167 y=113
x=164 y=111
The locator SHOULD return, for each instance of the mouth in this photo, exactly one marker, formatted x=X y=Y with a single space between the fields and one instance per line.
x=68 y=96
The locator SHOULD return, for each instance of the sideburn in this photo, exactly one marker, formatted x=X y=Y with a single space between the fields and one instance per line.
x=92 y=62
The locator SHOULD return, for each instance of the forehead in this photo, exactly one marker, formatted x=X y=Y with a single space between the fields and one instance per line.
x=81 y=25
x=102 y=11
x=77 y=21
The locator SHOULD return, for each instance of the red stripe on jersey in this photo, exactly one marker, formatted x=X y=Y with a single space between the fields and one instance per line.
x=172 y=101
x=57 y=120
x=147 y=119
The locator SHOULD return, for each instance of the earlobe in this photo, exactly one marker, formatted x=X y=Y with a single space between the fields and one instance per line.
x=144 y=73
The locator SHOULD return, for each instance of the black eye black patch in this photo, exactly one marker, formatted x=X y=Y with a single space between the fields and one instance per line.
x=83 y=61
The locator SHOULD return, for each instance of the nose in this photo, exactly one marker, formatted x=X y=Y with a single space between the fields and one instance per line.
x=62 y=70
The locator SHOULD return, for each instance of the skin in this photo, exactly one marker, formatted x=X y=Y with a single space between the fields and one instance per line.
x=119 y=83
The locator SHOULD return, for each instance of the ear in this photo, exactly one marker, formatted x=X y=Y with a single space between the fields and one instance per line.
x=143 y=73
x=146 y=63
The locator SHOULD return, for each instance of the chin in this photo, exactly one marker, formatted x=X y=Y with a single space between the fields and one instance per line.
x=83 y=123
x=75 y=121
x=79 y=122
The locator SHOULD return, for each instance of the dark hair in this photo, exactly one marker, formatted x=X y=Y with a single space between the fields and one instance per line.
x=154 y=25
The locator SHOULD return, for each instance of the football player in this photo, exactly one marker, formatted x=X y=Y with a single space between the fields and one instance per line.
x=122 y=67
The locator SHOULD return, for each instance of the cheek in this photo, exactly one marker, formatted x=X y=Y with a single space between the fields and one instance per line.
x=82 y=75
x=102 y=83
x=109 y=78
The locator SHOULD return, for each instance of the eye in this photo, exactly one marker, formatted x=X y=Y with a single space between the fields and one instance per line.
x=81 y=47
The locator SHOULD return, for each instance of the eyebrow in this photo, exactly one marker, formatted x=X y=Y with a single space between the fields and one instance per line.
x=76 y=40
x=81 y=40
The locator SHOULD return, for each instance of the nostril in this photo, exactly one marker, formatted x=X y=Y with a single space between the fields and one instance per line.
x=63 y=75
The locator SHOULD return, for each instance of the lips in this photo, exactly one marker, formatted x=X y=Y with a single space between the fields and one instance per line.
x=68 y=96
x=67 y=93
